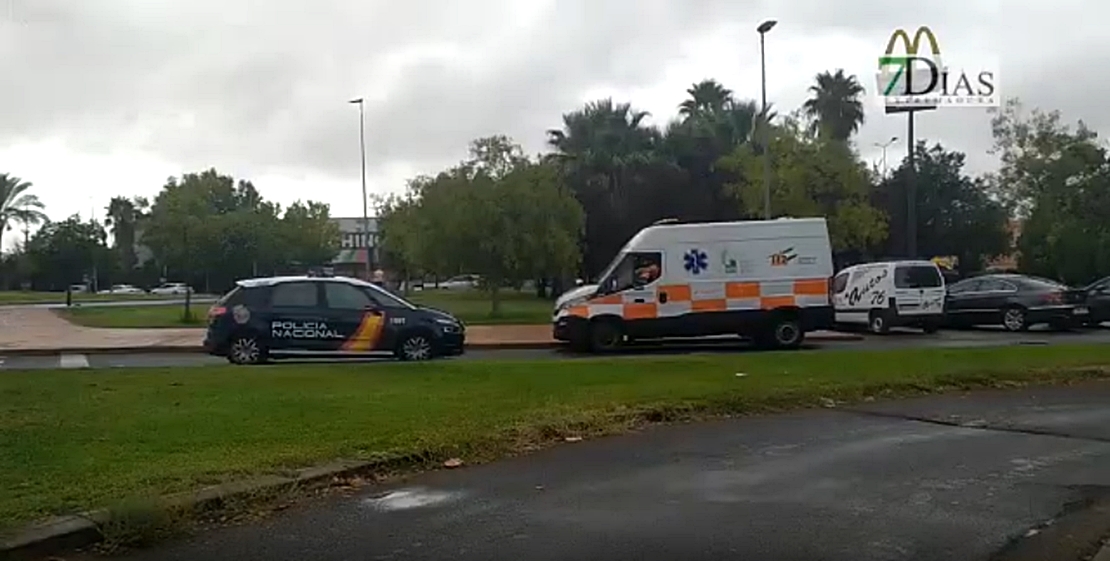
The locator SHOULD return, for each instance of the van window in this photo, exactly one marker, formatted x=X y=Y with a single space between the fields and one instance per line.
x=917 y=276
x=639 y=268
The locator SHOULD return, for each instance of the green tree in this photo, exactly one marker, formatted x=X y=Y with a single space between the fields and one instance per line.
x=66 y=252
x=210 y=230
x=499 y=215
x=1056 y=179
x=17 y=205
x=834 y=107
x=812 y=177
x=309 y=233
x=955 y=213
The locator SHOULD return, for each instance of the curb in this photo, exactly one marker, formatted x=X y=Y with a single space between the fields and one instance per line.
x=1103 y=554
x=66 y=533
x=180 y=349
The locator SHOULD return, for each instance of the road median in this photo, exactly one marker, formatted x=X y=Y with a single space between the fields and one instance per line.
x=533 y=344
x=133 y=437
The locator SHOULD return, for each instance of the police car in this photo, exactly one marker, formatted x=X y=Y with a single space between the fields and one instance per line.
x=325 y=316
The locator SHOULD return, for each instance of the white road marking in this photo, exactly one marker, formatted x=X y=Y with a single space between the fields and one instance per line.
x=73 y=361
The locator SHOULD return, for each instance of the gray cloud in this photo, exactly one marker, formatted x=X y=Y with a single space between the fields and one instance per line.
x=265 y=82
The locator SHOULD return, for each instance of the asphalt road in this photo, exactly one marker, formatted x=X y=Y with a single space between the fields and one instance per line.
x=943 y=339
x=944 y=478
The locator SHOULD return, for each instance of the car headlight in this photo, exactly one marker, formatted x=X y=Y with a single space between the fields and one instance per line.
x=448 y=325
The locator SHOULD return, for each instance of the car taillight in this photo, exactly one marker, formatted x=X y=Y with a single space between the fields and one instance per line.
x=215 y=312
x=1054 y=298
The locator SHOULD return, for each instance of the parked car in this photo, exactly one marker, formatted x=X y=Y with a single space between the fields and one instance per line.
x=171 y=288
x=325 y=316
x=79 y=288
x=1015 y=302
x=1098 y=301
x=123 y=289
x=461 y=282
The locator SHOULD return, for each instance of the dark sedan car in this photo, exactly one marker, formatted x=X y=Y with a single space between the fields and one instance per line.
x=1098 y=301
x=1015 y=302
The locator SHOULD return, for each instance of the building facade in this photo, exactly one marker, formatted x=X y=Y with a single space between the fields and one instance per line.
x=356 y=247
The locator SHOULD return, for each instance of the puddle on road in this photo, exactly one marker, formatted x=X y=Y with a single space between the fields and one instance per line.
x=412 y=497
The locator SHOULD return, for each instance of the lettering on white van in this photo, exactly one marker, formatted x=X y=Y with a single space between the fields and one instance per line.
x=302 y=330
x=859 y=291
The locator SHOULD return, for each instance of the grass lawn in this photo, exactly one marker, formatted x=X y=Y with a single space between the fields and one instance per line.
x=471 y=306
x=74 y=440
x=137 y=316
x=29 y=297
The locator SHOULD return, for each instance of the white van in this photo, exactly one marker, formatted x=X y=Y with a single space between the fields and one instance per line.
x=768 y=280
x=890 y=294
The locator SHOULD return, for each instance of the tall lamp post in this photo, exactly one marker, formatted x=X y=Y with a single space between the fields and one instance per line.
x=764 y=124
x=884 y=146
x=365 y=211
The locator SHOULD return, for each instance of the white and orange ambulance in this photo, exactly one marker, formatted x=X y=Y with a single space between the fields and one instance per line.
x=767 y=280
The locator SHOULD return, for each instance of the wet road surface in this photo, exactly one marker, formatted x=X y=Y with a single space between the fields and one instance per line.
x=955 y=477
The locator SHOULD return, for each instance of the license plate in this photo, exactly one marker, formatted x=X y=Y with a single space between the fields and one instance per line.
x=1081 y=311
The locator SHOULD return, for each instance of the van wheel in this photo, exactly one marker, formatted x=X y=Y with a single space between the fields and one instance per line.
x=247 y=349
x=605 y=336
x=877 y=323
x=931 y=327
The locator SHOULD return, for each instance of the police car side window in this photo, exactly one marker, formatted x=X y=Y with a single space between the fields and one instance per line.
x=342 y=296
x=294 y=295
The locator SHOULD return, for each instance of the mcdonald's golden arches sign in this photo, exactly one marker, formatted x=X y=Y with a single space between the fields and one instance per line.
x=918 y=78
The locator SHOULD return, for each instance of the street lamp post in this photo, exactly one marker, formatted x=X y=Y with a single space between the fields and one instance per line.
x=884 y=146
x=365 y=211
x=764 y=121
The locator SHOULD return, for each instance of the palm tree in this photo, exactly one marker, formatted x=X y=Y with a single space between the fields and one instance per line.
x=604 y=139
x=835 y=108
x=16 y=205
x=123 y=216
x=707 y=97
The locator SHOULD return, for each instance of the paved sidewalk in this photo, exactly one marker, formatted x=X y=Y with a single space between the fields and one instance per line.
x=30 y=330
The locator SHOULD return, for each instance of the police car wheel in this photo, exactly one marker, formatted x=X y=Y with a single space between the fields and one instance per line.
x=417 y=346
x=246 y=349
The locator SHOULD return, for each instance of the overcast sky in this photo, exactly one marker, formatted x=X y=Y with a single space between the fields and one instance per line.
x=107 y=97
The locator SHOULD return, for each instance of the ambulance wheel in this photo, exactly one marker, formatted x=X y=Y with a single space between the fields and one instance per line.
x=877 y=322
x=605 y=335
x=784 y=332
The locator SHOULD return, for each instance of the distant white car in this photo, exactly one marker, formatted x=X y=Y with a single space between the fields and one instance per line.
x=171 y=288
x=123 y=289
x=461 y=282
